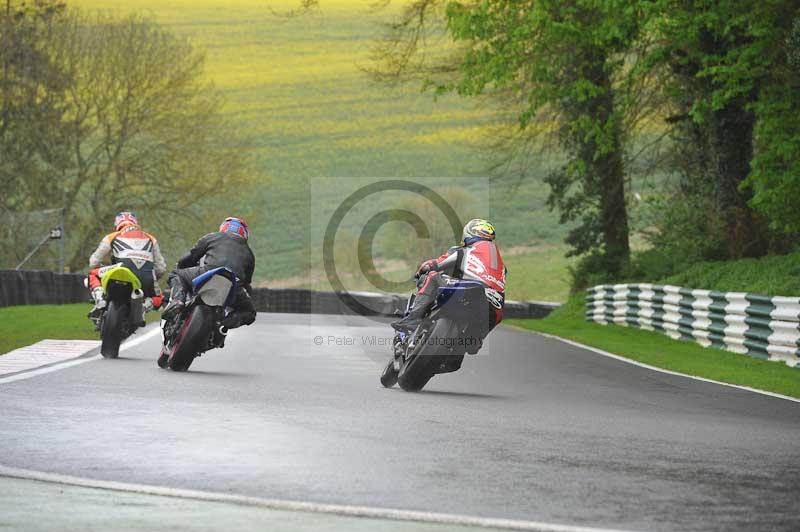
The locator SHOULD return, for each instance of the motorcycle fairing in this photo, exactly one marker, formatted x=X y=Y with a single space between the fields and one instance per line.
x=119 y=273
x=461 y=299
x=216 y=287
x=465 y=302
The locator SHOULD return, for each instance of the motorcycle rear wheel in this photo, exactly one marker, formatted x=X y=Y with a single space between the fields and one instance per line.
x=421 y=367
x=191 y=338
x=115 y=320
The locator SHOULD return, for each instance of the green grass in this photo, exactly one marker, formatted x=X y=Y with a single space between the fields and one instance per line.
x=661 y=351
x=776 y=275
x=539 y=274
x=27 y=324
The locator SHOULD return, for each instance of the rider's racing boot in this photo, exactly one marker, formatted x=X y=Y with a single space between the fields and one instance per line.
x=99 y=303
x=176 y=303
x=412 y=320
x=147 y=306
x=163 y=357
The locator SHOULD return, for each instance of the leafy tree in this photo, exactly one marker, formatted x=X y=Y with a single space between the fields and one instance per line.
x=724 y=82
x=775 y=172
x=567 y=61
x=139 y=130
x=31 y=114
x=30 y=105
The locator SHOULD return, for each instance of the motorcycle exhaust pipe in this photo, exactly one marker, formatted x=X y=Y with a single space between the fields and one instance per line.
x=137 y=294
x=223 y=330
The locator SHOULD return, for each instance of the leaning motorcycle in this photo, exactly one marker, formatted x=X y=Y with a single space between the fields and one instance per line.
x=123 y=313
x=199 y=327
x=456 y=325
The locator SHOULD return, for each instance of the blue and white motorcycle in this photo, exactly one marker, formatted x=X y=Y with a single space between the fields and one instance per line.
x=199 y=327
x=456 y=324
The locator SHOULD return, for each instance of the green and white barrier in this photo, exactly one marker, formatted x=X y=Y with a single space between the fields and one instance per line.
x=756 y=325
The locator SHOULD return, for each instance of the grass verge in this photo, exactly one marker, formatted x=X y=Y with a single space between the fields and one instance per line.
x=27 y=324
x=661 y=351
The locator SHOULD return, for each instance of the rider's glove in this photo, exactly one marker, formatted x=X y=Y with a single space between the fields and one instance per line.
x=425 y=267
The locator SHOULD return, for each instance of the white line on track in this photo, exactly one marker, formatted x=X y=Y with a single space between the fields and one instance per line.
x=76 y=361
x=654 y=368
x=297 y=506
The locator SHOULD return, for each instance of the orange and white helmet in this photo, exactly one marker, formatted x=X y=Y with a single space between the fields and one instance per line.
x=125 y=219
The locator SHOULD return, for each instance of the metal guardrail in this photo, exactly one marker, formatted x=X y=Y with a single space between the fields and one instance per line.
x=40 y=287
x=766 y=327
x=24 y=287
x=316 y=302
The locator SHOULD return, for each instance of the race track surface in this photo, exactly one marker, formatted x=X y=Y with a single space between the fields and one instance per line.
x=530 y=429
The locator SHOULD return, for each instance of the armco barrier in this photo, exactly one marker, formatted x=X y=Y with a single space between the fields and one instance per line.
x=37 y=287
x=312 y=302
x=298 y=300
x=756 y=325
x=44 y=287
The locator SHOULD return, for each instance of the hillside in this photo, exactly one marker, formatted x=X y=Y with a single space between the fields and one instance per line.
x=297 y=87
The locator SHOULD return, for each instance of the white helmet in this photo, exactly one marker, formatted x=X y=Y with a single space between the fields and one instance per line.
x=477 y=229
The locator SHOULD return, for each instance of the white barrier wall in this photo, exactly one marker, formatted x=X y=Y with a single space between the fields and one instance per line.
x=751 y=324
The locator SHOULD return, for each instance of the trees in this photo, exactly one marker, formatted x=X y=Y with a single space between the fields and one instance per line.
x=775 y=175
x=31 y=114
x=725 y=75
x=721 y=78
x=30 y=107
x=731 y=89
x=138 y=129
x=145 y=132
x=559 y=70
x=711 y=115
x=567 y=60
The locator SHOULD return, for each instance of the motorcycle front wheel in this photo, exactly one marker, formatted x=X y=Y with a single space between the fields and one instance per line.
x=389 y=375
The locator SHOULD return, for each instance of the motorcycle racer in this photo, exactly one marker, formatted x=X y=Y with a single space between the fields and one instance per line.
x=476 y=259
x=137 y=250
x=226 y=248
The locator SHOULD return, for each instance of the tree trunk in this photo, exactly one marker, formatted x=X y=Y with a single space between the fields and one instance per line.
x=731 y=142
x=609 y=174
x=613 y=211
x=730 y=131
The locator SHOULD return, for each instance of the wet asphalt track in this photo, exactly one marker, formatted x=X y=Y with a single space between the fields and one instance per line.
x=532 y=429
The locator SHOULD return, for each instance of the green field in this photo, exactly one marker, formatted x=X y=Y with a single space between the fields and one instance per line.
x=297 y=88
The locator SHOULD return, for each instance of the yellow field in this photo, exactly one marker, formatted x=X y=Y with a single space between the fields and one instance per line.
x=300 y=78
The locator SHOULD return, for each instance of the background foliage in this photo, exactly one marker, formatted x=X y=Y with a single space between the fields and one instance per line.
x=688 y=105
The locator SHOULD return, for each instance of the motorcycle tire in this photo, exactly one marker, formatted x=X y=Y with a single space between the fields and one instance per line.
x=192 y=337
x=389 y=375
x=421 y=366
x=112 y=334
